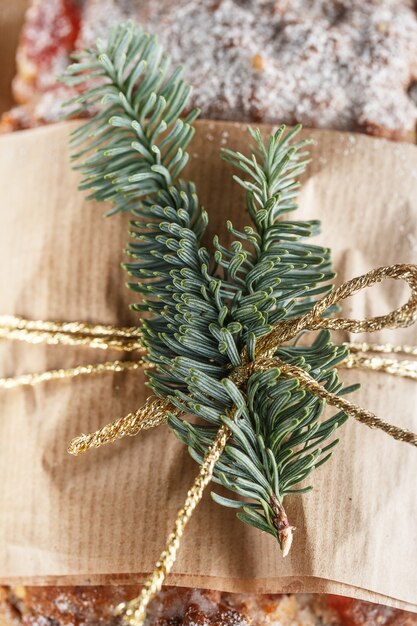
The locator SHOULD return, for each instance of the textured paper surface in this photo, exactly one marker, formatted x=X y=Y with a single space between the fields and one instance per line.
x=104 y=517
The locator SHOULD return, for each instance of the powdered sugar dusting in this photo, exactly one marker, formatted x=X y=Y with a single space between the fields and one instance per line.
x=339 y=64
x=342 y=64
x=95 y=605
x=212 y=608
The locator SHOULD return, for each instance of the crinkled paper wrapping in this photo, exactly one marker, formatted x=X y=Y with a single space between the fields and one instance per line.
x=104 y=517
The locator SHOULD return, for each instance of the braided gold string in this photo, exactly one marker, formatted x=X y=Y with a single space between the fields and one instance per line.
x=286 y=330
x=402 y=368
x=100 y=336
x=353 y=410
x=70 y=372
x=152 y=413
x=402 y=317
x=386 y=348
x=134 y=612
x=124 y=425
x=356 y=359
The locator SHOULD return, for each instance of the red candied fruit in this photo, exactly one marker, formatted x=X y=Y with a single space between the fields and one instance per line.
x=359 y=613
x=52 y=27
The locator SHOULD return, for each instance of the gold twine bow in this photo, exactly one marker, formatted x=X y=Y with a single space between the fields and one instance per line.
x=154 y=412
x=286 y=330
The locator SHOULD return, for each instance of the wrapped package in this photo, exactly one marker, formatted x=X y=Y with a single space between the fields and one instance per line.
x=74 y=525
x=103 y=517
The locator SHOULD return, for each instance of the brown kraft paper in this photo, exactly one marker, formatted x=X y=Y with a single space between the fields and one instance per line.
x=104 y=517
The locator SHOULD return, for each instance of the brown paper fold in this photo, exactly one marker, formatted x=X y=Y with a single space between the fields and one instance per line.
x=104 y=517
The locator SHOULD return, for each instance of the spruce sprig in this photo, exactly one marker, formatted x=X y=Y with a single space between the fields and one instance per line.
x=209 y=307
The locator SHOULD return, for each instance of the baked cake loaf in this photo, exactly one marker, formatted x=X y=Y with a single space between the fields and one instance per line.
x=93 y=606
x=342 y=64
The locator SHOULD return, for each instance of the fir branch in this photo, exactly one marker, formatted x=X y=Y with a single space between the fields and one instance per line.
x=207 y=308
x=139 y=138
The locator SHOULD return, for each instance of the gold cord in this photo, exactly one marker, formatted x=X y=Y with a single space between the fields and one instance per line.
x=353 y=410
x=402 y=317
x=128 y=425
x=288 y=329
x=100 y=336
x=356 y=359
x=402 y=367
x=386 y=348
x=134 y=612
x=71 y=372
x=152 y=413
x=123 y=425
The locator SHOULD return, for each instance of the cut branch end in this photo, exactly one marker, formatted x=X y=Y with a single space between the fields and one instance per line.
x=284 y=528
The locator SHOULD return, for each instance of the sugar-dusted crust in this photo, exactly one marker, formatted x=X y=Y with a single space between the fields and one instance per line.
x=93 y=606
x=343 y=64
x=48 y=37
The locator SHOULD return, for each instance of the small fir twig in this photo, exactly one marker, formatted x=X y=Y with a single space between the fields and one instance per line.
x=207 y=308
